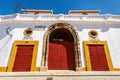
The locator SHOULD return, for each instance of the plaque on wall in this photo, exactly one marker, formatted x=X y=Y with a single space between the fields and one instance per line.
x=40 y=28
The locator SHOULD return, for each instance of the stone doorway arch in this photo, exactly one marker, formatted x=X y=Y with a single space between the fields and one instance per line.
x=68 y=27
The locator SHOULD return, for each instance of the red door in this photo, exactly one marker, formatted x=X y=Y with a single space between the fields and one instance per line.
x=98 y=58
x=23 y=58
x=61 y=56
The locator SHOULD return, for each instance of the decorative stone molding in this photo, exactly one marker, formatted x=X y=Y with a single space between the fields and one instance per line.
x=43 y=17
x=76 y=44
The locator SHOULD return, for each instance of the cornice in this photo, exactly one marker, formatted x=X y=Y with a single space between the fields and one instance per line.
x=59 y=17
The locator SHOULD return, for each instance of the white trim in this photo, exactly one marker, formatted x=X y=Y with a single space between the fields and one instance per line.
x=44 y=17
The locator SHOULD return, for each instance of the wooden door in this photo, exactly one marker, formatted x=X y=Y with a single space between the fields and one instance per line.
x=23 y=58
x=98 y=58
x=61 y=56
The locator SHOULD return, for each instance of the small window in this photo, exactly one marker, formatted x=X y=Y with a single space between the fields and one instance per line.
x=28 y=32
x=93 y=33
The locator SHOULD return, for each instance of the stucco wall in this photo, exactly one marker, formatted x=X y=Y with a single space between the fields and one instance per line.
x=108 y=31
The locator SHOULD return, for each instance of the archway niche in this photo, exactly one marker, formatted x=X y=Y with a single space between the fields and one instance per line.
x=62 y=32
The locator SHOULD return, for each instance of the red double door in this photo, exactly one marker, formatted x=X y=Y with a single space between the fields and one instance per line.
x=61 y=56
x=23 y=58
x=98 y=58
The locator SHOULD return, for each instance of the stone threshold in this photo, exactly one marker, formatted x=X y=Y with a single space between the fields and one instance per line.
x=59 y=73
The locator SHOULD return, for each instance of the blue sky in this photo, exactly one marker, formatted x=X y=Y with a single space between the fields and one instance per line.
x=62 y=6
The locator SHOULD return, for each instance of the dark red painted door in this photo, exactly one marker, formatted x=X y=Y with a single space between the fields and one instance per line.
x=98 y=58
x=61 y=56
x=23 y=58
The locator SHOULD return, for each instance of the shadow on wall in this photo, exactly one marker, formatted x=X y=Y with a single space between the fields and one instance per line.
x=103 y=26
x=11 y=26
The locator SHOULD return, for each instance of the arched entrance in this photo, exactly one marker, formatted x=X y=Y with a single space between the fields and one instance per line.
x=61 y=37
x=61 y=50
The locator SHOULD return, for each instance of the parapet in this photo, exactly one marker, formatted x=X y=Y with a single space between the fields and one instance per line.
x=24 y=11
x=84 y=12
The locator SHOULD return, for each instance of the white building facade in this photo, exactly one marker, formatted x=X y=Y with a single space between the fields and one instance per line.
x=80 y=41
